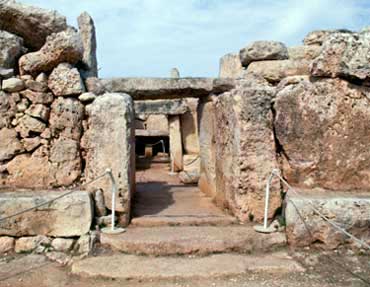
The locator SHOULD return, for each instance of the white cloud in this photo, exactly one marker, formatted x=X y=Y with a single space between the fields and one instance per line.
x=149 y=37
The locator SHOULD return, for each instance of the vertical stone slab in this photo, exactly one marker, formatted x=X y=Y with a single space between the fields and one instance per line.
x=245 y=149
x=231 y=66
x=175 y=143
x=87 y=32
x=110 y=143
x=207 y=145
x=189 y=127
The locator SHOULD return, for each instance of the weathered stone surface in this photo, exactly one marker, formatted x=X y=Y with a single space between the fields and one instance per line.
x=7 y=109
x=230 y=66
x=37 y=86
x=6 y=244
x=345 y=55
x=350 y=211
x=164 y=107
x=66 y=81
x=66 y=118
x=38 y=111
x=189 y=127
x=13 y=85
x=10 y=49
x=87 y=97
x=157 y=123
x=151 y=133
x=29 y=244
x=263 y=50
x=9 y=144
x=322 y=127
x=37 y=97
x=318 y=37
x=28 y=125
x=59 y=257
x=62 y=244
x=207 y=144
x=94 y=85
x=6 y=73
x=189 y=177
x=42 y=78
x=174 y=73
x=66 y=160
x=67 y=217
x=87 y=32
x=114 y=150
x=100 y=209
x=63 y=47
x=245 y=149
x=31 y=144
x=275 y=71
x=162 y=88
x=304 y=52
x=175 y=143
x=105 y=220
x=31 y=23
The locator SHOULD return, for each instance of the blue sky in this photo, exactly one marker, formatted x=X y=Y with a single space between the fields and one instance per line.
x=149 y=37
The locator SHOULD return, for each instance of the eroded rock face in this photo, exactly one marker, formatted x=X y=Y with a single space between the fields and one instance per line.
x=304 y=52
x=189 y=127
x=230 y=66
x=31 y=23
x=9 y=144
x=350 y=210
x=28 y=125
x=10 y=49
x=263 y=50
x=245 y=149
x=110 y=143
x=344 y=55
x=323 y=129
x=7 y=109
x=66 y=118
x=318 y=37
x=66 y=81
x=13 y=85
x=62 y=47
x=67 y=217
x=87 y=31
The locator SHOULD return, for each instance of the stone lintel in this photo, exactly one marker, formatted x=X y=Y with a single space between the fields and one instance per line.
x=151 y=133
x=163 y=107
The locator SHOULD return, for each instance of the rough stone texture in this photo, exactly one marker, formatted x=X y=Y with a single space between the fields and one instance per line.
x=6 y=73
x=275 y=71
x=67 y=217
x=318 y=37
x=63 y=47
x=59 y=257
x=245 y=149
x=28 y=125
x=156 y=123
x=37 y=86
x=62 y=244
x=162 y=88
x=7 y=109
x=142 y=268
x=189 y=127
x=66 y=81
x=100 y=209
x=175 y=143
x=350 y=211
x=6 y=244
x=164 y=107
x=87 y=32
x=38 y=111
x=66 y=118
x=230 y=66
x=191 y=172
x=9 y=144
x=207 y=144
x=304 y=52
x=87 y=97
x=37 y=97
x=110 y=143
x=31 y=144
x=10 y=49
x=204 y=240
x=94 y=85
x=263 y=50
x=31 y=23
x=13 y=85
x=322 y=127
x=29 y=244
x=345 y=55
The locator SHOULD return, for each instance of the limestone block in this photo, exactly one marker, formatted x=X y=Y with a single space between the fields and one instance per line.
x=87 y=31
x=6 y=244
x=230 y=66
x=245 y=149
x=29 y=244
x=62 y=244
x=62 y=47
x=66 y=217
x=66 y=81
x=344 y=55
x=38 y=97
x=304 y=52
x=322 y=127
x=350 y=211
x=11 y=48
x=110 y=143
x=13 y=85
x=175 y=143
x=263 y=50
x=28 y=124
x=37 y=86
x=275 y=71
x=9 y=144
x=163 y=107
x=33 y=24
x=318 y=37
x=38 y=111
x=157 y=122
x=8 y=109
x=189 y=127
x=87 y=97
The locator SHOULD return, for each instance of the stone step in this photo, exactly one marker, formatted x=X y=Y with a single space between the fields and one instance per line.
x=163 y=241
x=143 y=268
